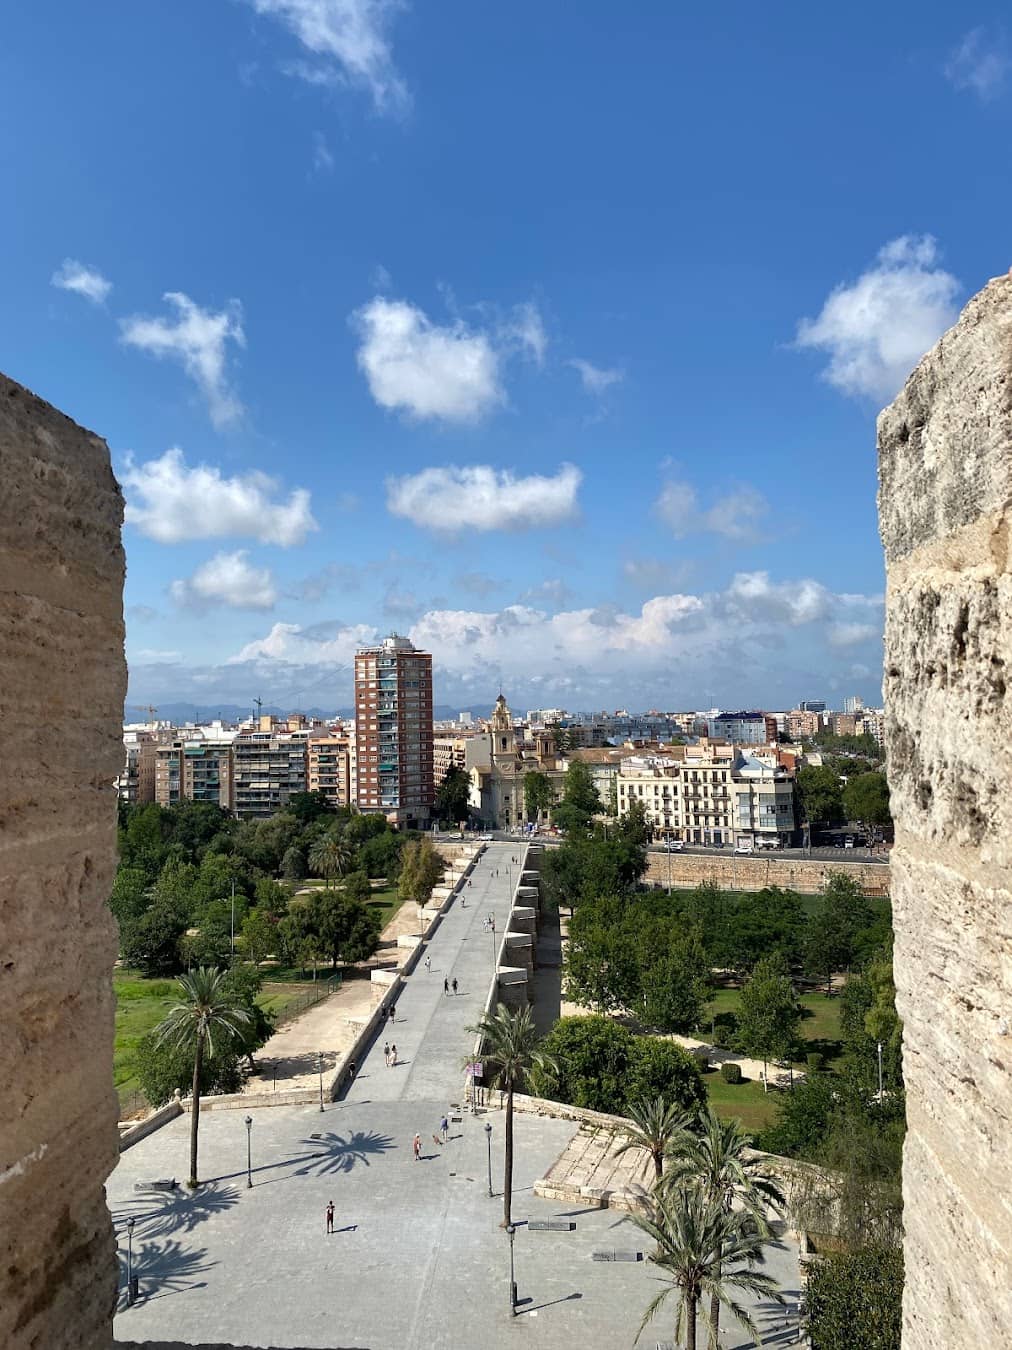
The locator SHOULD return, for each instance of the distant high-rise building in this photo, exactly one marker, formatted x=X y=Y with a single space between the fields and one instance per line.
x=194 y=770
x=742 y=728
x=854 y=704
x=328 y=764
x=268 y=768
x=812 y=705
x=393 y=730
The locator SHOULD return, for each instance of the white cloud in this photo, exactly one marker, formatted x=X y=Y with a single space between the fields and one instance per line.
x=595 y=379
x=525 y=328
x=147 y=656
x=291 y=643
x=850 y=634
x=426 y=370
x=227 y=579
x=736 y=516
x=78 y=277
x=479 y=497
x=196 y=338
x=553 y=592
x=876 y=329
x=979 y=63
x=348 y=39
x=171 y=502
x=752 y=595
x=323 y=160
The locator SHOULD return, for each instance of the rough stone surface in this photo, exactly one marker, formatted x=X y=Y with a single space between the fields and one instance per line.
x=62 y=685
x=808 y=876
x=945 y=500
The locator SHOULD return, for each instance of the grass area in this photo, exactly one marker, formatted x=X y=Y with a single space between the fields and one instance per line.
x=746 y=1100
x=277 y=998
x=385 y=902
x=140 y=1006
x=820 y=1020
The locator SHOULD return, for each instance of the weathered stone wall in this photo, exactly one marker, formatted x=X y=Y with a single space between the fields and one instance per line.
x=945 y=501
x=62 y=685
x=805 y=875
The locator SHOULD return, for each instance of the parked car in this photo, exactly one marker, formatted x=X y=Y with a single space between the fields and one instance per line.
x=849 y=841
x=743 y=847
x=674 y=846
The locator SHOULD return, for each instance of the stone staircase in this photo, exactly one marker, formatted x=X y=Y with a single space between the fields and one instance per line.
x=587 y=1172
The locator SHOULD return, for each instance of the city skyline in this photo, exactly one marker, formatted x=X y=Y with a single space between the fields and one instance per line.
x=598 y=426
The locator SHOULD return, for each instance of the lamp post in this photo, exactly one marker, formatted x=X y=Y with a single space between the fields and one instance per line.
x=131 y=1294
x=879 y=1049
x=511 y=1228
x=493 y=944
x=488 y=1140
x=249 y=1153
x=319 y=1069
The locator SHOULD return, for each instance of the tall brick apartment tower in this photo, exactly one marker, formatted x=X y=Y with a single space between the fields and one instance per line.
x=393 y=731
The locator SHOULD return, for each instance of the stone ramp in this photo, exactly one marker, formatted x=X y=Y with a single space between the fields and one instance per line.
x=589 y=1173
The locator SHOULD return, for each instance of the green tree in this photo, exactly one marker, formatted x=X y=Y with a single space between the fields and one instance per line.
x=207 y=1018
x=294 y=866
x=143 y=840
x=866 y=800
x=151 y=942
x=332 y=856
x=834 y=930
x=210 y=945
x=674 y=978
x=380 y=856
x=451 y=804
x=129 y=898
x=539 y=796
x=770 y=922
x=421 y=869
x=510 y=1052
x=718 y=1158
x=163 y=1070
x=243 y=985
x=580 y=800
x=309 y=806
x=803 y=1118
x=652 y=1125
x=600 y=964
x=344 y=929
x=659 y=1068
x=855 y=1300
x=769 y=1013
x=258 y=936
x=702 y=1250
x=590 y=1058
x=820 y=798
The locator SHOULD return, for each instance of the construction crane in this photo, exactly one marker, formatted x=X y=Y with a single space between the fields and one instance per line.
x=258 y=703
x=152 y=712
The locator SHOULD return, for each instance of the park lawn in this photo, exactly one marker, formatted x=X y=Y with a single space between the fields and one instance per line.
x=746 y=1100
x=820 y=1016
x=385 y=902
x=140 y=1006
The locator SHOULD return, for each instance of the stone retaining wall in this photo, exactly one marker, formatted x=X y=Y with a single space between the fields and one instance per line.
x=805 y=875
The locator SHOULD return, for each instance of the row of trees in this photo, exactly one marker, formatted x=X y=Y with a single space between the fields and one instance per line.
x=837 y=793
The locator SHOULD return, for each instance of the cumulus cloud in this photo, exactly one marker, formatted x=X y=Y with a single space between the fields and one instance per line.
x=736 y=516
x=347 y=41
x=595 y=379
x=752 y=595
x=479 y=497
x=326 y=645
x=850 y=634
x=227 y=579
x=877 y=328
x=171 y=502
x=553 y=591
x=198 y=339
x=82 y=279
x=979 y=63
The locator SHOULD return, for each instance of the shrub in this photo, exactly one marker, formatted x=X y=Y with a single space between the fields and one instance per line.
x=659 y=1068
x=725 y=1029
x=701 y=1055
x=730 y=1072
x=856 y=1291
x=815 y=1061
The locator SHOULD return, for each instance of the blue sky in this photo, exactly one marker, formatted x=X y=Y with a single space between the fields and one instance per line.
x=553 y=337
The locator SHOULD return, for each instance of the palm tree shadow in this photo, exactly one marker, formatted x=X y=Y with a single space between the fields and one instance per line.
x=778 y=1325
x=163 y=1268
x=334 y=1152
x=182 y=1211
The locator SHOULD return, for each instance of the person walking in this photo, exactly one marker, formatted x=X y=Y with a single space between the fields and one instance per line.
x=416 y=1147
x=446 y=986
x=393 y=1056
x=393 y=1015
x=444 y=1127
x=386 y=1054
x=330 y=1216
x=428 y=963
x=453 y=986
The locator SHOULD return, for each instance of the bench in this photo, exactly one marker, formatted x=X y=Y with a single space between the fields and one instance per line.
x=166 y=1184
x=617 y=1254
x=550 y=1225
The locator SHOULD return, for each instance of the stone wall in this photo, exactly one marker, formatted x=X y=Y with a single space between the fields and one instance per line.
x=62 y=685
x=806 y=875
x=945 y=488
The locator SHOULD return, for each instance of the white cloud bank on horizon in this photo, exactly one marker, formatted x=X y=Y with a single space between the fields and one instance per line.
x=170 y=502
x=480 y=497
x=348 y=42
x=198 y=339
x=82 y=279
x=442 y=372
x=877 y=328
x=227 y=579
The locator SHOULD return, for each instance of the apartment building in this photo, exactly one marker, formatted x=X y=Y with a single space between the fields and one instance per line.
x=328 y=767
x=194 y=769
x=450 y=752
x=393 y=731
x=743 y=728
x=136 y=784
x=268 y=768
x=717 y=795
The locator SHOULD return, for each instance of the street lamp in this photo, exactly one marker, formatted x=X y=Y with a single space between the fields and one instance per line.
x=488 y=1140
x=319 y=1069
x=131 y=1291
x=511 y=1228
x=493 y=943
x=249 y=1153
x=879 y=1048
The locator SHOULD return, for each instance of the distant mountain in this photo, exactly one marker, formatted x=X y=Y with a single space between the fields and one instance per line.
x=181 y=713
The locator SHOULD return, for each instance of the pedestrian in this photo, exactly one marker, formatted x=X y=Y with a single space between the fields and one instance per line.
x=428 y=963
x=444 y=1126
x=393 y=1014
x=393 y=1057
x=453 y=986
x=416 y=1147
x=446 y=986
x=437 y=1141
x=386 y=1054
x=352 y=1070
x=330 y=1216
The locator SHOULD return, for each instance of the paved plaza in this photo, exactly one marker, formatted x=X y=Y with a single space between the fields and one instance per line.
x=417 y=1260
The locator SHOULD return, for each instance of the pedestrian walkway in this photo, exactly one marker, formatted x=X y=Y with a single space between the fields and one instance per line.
x=429 y=1030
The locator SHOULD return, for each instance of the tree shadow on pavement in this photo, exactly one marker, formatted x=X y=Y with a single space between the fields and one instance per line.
x=181 y=1211
x=163 y=1268
x=777 y=1325
x=339 y=1153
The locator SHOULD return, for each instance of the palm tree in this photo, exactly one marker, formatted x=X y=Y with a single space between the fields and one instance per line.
x=205 y=1010
x=331 y=856
x=702 y=1248
x=716 y=1157
x=509 y=1053
x=653 y=1126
